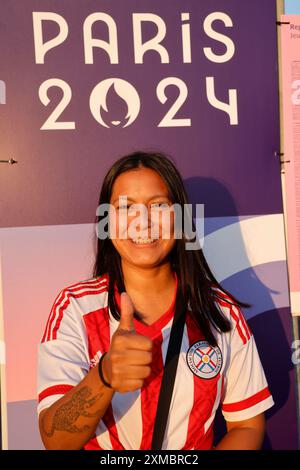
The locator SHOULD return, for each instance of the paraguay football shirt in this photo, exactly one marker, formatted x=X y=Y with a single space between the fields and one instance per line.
x=230 y=375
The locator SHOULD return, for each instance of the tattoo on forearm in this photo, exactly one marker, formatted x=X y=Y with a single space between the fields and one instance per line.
x=66 y=415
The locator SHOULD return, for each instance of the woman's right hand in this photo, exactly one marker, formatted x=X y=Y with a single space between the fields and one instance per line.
x=128 y=361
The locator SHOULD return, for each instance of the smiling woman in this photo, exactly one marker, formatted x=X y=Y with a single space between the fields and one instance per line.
x=103 y=355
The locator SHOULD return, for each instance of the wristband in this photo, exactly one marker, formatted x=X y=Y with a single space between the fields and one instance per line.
x=101 y=372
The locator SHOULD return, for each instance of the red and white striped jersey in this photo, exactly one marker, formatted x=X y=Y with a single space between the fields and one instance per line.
x=230 y=375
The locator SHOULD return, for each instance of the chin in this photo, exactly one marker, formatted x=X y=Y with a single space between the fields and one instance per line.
x=144 y=261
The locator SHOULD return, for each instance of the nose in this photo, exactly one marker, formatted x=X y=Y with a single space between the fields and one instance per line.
x=144 y=219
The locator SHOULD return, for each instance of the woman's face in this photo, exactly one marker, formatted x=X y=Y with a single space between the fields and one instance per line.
x=142 y=219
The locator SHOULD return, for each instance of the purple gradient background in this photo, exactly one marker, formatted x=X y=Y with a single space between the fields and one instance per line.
x=53 y=165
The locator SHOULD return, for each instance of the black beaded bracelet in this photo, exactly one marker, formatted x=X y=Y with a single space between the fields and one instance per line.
x=101 y=373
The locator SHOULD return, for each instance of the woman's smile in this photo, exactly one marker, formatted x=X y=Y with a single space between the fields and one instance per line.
x=144 y=242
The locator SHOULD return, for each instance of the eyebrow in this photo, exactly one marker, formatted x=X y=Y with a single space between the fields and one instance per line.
x=156 y=196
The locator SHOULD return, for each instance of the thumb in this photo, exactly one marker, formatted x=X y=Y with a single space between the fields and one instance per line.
x=127 y=312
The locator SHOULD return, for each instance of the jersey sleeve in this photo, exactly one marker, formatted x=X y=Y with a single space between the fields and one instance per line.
x=246 y=392
x=62 y=353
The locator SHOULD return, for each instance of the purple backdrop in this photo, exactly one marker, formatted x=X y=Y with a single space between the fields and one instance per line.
x=240 y=157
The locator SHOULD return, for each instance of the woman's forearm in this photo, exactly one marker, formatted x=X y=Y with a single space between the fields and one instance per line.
x=72 y=420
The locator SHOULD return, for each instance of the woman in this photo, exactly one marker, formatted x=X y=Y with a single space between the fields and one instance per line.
x=123 y=316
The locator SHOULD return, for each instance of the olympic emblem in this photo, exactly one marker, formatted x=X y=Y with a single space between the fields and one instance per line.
x=204 y=360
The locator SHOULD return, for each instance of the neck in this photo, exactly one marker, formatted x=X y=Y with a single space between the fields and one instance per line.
x=159 y=278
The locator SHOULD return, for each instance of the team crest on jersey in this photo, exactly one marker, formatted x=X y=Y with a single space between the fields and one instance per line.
x=204 y=360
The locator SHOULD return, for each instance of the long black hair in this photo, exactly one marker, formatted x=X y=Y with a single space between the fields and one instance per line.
x=195 y=278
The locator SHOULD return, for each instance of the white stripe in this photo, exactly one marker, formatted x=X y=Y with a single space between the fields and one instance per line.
x=165 y=332
x=102 y=436
x=127 y=411
x=90 y=303
x=48 y=401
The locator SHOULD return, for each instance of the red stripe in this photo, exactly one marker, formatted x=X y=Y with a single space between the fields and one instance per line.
x=204 y=398
x=224 y=304
x=239 y=312
x=54 y=390
x=87 y=283
x=88 y=292
x=248 y=402
x=238 y=326
x=53 y=335
x=47 y=324
x=150 y=393
x=89 y=287
x=245 y=325
x=52 y=314
x=98 y=333
x=63 y=294
x=92 y=444
x=65 y=305
x=237 y=320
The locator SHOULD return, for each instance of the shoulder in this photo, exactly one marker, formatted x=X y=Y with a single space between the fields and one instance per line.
x=82 y=292
x=88 y=285
x=233 y=312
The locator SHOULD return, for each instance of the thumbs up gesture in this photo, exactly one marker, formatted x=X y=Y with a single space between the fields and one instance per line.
x=127 y=363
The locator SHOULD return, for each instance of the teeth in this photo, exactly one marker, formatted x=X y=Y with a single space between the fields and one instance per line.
x=143 y=241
